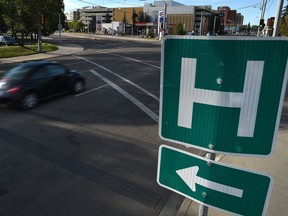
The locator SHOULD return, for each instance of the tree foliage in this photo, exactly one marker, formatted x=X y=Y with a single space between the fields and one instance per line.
x=107 y=18
x=179 y=29
x=76 y=26
x=23 y=16
x=284 y=26
x=284 y=21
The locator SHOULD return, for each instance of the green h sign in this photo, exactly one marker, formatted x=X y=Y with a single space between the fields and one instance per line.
x=212 y=183
x=223 y=94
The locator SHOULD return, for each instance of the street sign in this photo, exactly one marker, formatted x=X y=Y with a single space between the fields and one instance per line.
x=212 y=183
x=223 y=95
x=98 y=23
x=161 y=13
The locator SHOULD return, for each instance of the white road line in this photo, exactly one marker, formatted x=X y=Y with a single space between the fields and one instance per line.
x=80 y=62
x=123 y=78
x=90 y=91
x=144 y=108
x=136 y=60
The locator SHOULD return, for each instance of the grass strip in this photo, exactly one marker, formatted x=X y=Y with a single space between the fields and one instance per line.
x=14 y=51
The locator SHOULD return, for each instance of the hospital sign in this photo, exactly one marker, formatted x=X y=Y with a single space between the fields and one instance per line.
x=223 y=94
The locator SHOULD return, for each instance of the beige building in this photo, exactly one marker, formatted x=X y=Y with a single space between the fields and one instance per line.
x=119 y=13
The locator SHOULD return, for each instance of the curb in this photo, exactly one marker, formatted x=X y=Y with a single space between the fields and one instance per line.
x=63 y=50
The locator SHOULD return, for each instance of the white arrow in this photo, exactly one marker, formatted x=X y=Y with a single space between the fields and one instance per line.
x=189 y=176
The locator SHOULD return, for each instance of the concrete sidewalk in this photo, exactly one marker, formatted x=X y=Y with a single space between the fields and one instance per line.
x=275 y=166
x=63 y=49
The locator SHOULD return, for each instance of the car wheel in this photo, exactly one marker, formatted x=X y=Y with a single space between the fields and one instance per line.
x=78 y=86
x=29 y=101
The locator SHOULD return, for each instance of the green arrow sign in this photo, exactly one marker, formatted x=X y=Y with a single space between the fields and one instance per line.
x=223 y=94
x=212 y=183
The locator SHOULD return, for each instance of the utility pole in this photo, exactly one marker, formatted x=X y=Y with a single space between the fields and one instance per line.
x=164 y=18
x=262 y=15
x=201 y=23
x=214 y=25
x=276 y=26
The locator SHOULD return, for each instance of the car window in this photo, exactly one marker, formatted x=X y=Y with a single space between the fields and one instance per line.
x=7 y=38
x=17 y=73
x=40 y=74
x=56 y=70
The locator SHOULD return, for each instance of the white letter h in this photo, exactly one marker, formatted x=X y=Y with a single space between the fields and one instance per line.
x=247 y=101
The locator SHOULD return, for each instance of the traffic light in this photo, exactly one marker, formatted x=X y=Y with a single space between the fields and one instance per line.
x=221 y=14
x=262 y=24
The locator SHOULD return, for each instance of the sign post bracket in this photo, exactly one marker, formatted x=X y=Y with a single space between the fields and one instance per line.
x=203 y=210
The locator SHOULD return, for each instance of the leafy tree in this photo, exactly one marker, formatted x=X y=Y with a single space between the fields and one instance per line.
x=179 y=29
x=79 y=26
x=150 y=33
x=23 y=16
x=284 y=21
x=147 y=18
x=93 y=24
x=107 y=18
x=254 y=28
x=141 y=16
x=249 y=28
x=284 y=26
x=134 y=16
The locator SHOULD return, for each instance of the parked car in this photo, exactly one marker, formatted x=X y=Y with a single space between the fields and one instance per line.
x=6 y=40
x=29 y=83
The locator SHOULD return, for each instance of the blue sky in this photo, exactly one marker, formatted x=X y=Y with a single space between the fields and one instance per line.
x=249 y=8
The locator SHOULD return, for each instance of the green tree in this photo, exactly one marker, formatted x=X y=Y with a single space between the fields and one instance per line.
x=141 y=16
x=79 y=26
x=248 y=28
x=284 y=21
x=93 y=24
x=179 y=29
x=134 y=16
x=150 y=33
x=24 y=15
x=284 y=26
x=107 y=18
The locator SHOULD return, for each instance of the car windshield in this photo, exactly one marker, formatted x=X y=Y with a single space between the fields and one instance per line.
x=7 y=38
x=17 y=73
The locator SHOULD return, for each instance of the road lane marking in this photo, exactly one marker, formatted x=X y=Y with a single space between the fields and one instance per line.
x=90 y=90
x=144 y=108
x=132 y=59
x=123 y=78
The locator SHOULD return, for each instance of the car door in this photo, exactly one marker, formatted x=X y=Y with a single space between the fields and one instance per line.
x=60 y=81
x=41 y=81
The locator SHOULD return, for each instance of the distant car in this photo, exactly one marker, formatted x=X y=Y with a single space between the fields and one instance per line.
x=6 y=40
x=29 y=83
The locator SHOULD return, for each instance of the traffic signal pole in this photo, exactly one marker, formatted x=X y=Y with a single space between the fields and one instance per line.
x=262 y=15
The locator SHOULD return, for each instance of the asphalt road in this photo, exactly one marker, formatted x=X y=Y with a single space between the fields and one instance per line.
x=94 y=153
x=89 y=154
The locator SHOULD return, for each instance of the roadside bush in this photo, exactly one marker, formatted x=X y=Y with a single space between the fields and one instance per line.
x=150 y=33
